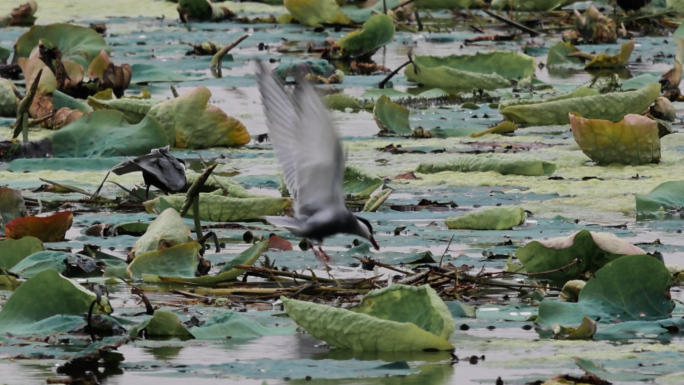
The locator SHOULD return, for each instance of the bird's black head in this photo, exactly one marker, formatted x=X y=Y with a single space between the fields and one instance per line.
x=370 y=232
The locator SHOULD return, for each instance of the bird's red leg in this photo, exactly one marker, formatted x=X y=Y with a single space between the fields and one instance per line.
x=322 y=255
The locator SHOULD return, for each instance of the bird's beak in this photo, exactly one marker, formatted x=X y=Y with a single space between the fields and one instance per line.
x=375 y=244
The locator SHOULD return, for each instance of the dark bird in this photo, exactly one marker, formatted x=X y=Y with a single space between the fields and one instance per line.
x=310 y=152
x=632 y=5
x=159 y=169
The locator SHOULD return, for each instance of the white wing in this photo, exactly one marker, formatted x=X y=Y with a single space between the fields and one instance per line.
x=305 y=143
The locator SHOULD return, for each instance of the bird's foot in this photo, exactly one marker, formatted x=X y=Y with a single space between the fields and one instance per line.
x=322 y=256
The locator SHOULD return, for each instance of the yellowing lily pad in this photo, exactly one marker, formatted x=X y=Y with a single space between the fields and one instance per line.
x=632 y=141
x=190 y=122
x=167 y=230
x=391 y=117
x=218 y=208
x=315 y=13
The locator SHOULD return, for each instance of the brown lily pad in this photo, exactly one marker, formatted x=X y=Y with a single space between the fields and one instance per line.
x=48 y=229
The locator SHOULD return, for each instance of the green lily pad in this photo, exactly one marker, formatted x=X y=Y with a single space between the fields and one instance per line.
x=578 y=93
x=235 y=326
x=14 y=250
x=42 y=260
x=168 y=229
x=499 y=129
x=594 y=250
x=175 y=261
x=419 y=305
x=558 y=56
x=632 y=141
x=45 y=295
x=247 y=257
x=105 y=134
x=486 y=71
x=12 y=205
x=630 y=288
x=496 y=218
x=78 y=44
x=484 y=163
x=315 y=13
x=190 y=122
x=366 y=332
x=666 y=196
x=8 y=99
x=392 y=118
x=134 y=110
x=530 y=5
x=613 y=106
x=60 y=100
x=218 y=208
x=360 y=183
x=342 y=102
x=376 y=32
x=162 y=324
x=149 y=73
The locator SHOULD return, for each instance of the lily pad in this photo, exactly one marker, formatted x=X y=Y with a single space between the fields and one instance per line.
x=366 y=332
x=613 y=106
x=14 y=250
x=149 y=73
x=666 y=196
x=167 y=230
x=175 y=261
x=45 y=295
x=496 y=218
x=163 y=324
x=78 y=44
x=500 y=129
x=633 y=141
x=12 y=205
x=106 y=134
x=218 y=208
x=620 y=60
x=630 y=288
x=558 y=56
x=235 y=326
x=594 y=250
x=9 y=102
x=376 y=32
x=247 y=257
x=360 y=183
x=50 y=228
x=392 y=118
x=484 y=163
x=189 y=122
x=315 y=13
x=467 y=72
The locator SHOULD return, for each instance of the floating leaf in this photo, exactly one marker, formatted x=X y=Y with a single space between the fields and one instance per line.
x=467 y=72
x=613 y=106
x=633 y=141
x=11 y=205
x=78 y=44
x=630 y=288
x=558 y=56
x=315 y=13
x=14 y=250
x=189 y=122
x=484 y=163
x=175 y=261
x=228 y=273
x=496 y=218
x=366 y=332
x=301 y=68
x=392 y=118
x=666 y=196
x=620 y=60
x=134 y=110
x=149 y=73
x=45 y=295
x=530 y=5
x=50 y=228
x=585 y=331
x=162 y=324
x=594 y=250
x=105 y=134
x=235 y=326
x=218 y=208
x=578 y=93
x=360 y=183
x=167 y=230
x=342 y=102
x=501 y=128
x=9 y=102
x=376 y=32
